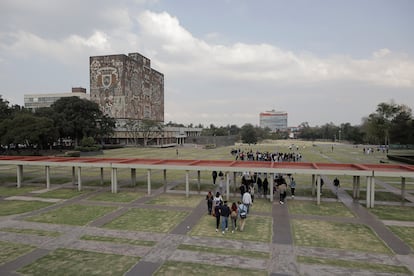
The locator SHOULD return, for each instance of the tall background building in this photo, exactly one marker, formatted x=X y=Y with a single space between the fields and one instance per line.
x=274 y=120
x=126 y=87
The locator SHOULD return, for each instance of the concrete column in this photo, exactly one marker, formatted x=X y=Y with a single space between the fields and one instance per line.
x=134 y=177
x=19 y=175
x=73 y=176
x=318 y=190
x=187 y=185
x=372 y=192
x=354 y=187
x=227 y=186
x=47 y=168
x=271 y=185
x=165 y=180
x=358 y=186
x=402 y=190
x=368 y=195
x=313 y=185
x=149 y=181
x=199 y=181
x=102 y=177
x=114 y=180
x=79 y=179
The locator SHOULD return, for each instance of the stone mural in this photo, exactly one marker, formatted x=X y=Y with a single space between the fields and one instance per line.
x=126 y=87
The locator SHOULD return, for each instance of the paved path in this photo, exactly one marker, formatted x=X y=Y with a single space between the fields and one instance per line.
x=282 y=251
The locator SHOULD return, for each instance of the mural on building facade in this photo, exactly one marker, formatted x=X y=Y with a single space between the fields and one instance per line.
x=125 y=87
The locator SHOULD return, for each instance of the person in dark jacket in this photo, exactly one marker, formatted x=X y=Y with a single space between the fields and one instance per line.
x=224 y=215
x=214 y=175
x=217 y=212
x=209 y=199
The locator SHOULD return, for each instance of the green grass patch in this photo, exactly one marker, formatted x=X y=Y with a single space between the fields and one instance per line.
x=10 y=251
x=61 y=193
x=183 y=269
x=403 y=213
x=375 y=267
x=346 y=236
x=14 y=191
x=226 y=251
x=176 y=200
x=122 y=196
x=257 y=228
x=337 y=209
x=261 y=205
x=404 y=233
x=37 y=232
x=118 y=240
x=12 y=207
x=379 y=196
x=148 y=220
x=75 y=214
x=77 y=262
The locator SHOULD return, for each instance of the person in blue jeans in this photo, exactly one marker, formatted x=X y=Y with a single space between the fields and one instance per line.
x=224 y=215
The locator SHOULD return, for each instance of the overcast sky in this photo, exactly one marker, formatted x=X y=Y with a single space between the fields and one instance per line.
x=224 y=61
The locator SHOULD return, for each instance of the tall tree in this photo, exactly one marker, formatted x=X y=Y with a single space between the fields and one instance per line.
x=248 y=134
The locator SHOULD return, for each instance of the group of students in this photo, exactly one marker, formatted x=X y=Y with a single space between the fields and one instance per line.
x=218 y=208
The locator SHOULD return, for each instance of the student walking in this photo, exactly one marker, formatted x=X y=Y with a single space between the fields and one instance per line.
x=336 y=185
x=292 y=186
x=209 y=199
x=233 y=215
x=224 y=215
x=242 y=210
x=217 y=212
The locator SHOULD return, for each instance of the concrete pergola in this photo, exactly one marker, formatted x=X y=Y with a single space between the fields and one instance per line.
x=316 y=170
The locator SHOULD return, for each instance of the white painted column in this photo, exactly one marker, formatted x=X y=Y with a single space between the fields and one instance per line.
x=73 y=176
x=187 y=185
x=149 y=182
x=368 y=195
x=372 y=192
x=354 y=187
x=19 y=175
x=114 y=180
x=199 y=181
x=358 y=186
x=133 y=177
x=47 y=168
x=318 y=190
x=227 y=186
x=313 y=185
x=403 y=189
x=79 y=179
x=235 y=182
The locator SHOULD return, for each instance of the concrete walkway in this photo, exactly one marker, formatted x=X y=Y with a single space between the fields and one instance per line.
x=282 y=250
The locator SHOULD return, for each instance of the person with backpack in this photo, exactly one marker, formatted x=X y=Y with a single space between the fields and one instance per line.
x=242 y=212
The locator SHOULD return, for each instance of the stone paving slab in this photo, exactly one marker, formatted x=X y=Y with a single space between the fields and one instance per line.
x=33 y=198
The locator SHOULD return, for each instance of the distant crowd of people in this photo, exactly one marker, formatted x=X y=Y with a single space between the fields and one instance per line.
x=267 y=156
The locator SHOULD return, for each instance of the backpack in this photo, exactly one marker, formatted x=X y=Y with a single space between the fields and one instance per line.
x=243 y=212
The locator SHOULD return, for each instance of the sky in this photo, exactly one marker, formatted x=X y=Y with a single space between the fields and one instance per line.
x=224 y=61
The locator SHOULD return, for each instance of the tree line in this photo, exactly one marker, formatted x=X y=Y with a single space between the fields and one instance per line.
x=68 y=119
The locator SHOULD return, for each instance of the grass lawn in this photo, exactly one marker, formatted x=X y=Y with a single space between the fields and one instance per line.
x=75 y=214
x=10 y=251
x=36 y=232
x=337 y=209
x=62 y=193
x=77 y=262
x=122 y=196
x=148 y=220
x=375 y=267
x=182 y=269
x=379 y=195
x=257 y=228
x=403 y=213
x=12 y=207
x=347 y=236
x=176 y=200
x=404 y=233
x=14 y=191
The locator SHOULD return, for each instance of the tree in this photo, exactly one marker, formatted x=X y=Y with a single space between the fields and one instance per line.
x=248 y=134
x=76 y=118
